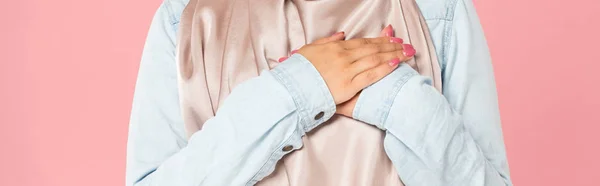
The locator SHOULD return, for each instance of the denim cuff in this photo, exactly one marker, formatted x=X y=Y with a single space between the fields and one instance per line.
x=308 y=90
x=374 y=103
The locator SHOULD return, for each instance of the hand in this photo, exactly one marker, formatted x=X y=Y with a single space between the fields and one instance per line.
x=347 y=107
x=349 y=66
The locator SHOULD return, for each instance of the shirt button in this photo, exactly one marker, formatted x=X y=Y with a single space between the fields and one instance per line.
x=287 y=148
x=319 y=115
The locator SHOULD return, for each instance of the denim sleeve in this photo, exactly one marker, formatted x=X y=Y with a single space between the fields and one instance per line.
x=262 y=119
x=471 y=86
x=450 y=139
x=156 y=130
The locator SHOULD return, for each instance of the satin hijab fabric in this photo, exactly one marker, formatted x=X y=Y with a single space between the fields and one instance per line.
x=224 y=42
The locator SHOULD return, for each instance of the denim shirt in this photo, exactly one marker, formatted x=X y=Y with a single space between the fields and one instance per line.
x=433 y=138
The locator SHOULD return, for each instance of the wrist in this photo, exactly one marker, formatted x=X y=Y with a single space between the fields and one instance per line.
x=314 y=102
x=374 y=103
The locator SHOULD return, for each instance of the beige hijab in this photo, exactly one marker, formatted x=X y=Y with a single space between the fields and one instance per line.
x=225 y=42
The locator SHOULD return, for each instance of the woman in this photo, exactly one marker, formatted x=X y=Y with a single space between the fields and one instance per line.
x=264 y=118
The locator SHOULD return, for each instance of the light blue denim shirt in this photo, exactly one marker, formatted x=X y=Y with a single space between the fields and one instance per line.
x=453 y=138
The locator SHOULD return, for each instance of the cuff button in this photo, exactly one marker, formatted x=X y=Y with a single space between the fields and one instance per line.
x=319 y=115
x=287 y=148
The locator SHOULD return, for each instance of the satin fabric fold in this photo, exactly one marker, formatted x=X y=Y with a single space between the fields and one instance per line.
x=222 y=43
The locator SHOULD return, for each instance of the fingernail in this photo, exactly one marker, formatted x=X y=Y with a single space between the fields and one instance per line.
x=338 y=34
x=396 y=40
x=282 y=59
x=294 y=51
x=394 y=62
x=409 y=51
x=389 y=31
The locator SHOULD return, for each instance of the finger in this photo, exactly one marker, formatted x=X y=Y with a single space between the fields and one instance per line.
x=373 y=75
x=372 y=61
x=371 y=49
x=388 y=31
x=408 y=50
x=281 y=59
x=361 y=42
x=335 y=37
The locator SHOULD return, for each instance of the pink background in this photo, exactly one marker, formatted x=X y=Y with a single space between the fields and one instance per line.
x=68 y=68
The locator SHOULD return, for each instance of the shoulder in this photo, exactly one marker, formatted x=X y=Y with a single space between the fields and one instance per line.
x=438 y=9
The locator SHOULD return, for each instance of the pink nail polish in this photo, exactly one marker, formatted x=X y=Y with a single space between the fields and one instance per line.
x=294 y=51
x=339 y=33
x=409 y=51
x=389 y=32
x=396 y=40
x=282 y=59
x=394 y=62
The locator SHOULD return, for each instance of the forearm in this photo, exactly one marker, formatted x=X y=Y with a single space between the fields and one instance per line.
x=426 y=139
x=431 y=141
x=235 y=142
x=261 y=120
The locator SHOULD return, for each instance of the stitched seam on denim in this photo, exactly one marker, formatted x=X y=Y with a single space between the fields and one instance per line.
x=305 y=109
x=451 y=9
x=172 y=18
x=323 y=89
x=437 y=19
x=392 y=96
x=448 y=33
x=275 y=155
x=173 y=22
x=442 y=58
x=279 y=74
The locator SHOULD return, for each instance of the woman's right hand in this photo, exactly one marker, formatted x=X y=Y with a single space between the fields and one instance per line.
x=348 y=66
